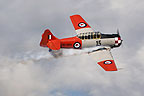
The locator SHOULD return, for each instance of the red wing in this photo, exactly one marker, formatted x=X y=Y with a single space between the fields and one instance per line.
x=80 y=25
x=79 y=22
x=104 y=59
x=108 y=65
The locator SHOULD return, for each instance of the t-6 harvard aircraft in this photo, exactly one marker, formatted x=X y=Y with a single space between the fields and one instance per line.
x=86 y=38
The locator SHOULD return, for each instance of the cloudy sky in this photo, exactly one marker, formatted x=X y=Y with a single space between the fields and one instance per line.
x=21 y=26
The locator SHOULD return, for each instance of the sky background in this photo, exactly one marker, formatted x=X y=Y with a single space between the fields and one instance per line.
x=23 y=21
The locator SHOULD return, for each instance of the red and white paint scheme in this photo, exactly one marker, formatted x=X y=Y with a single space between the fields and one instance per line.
x=86 y=38
x=50 y=41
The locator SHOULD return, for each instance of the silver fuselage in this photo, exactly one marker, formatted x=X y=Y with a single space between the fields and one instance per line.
x=98 y=42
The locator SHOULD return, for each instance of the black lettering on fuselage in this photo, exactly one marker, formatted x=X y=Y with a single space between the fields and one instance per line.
x=98 y=43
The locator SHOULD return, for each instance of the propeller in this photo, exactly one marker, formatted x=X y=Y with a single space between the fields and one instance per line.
x=119 y=35
x=118 y=31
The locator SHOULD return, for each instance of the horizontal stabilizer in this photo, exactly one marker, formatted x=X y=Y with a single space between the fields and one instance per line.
x=54 y=44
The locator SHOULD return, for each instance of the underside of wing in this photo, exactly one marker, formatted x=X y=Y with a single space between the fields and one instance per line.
x=104 y=59
x=80 y=25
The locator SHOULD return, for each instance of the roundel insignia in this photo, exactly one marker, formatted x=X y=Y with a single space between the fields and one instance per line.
x=108 y=62
x=82 y=24
x=77 y=45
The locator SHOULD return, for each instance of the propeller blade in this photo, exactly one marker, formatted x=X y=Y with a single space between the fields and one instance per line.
x=118 y=31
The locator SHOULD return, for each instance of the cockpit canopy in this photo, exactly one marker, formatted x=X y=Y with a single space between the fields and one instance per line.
x=89 y=35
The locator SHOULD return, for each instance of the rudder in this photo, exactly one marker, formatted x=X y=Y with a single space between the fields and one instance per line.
x=46 y=37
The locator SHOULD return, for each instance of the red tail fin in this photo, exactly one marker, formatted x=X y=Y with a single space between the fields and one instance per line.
x=46 y=36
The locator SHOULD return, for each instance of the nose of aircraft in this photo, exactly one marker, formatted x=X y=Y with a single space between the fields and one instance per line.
x=118 y=41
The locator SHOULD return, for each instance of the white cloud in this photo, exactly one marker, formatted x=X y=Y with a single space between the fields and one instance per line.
x=22 y=23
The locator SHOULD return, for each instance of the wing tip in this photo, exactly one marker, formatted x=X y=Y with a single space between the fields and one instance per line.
x=75 y=15
x=108 y=65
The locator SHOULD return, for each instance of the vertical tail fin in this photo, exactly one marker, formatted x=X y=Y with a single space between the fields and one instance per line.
x=46 y=37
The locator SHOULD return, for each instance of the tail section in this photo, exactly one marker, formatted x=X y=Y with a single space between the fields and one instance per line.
x=46 y=37
x=49 y=40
